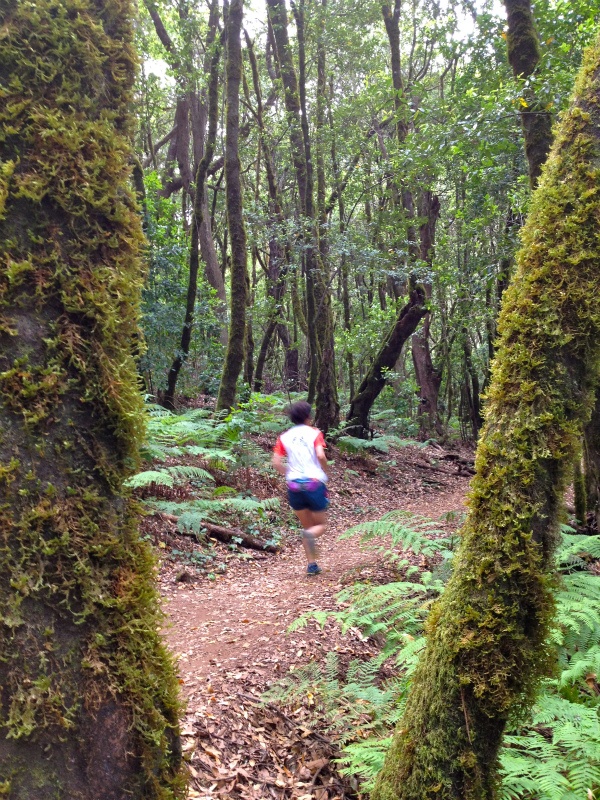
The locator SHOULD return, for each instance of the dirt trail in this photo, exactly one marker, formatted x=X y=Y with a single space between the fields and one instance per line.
x=231 y=639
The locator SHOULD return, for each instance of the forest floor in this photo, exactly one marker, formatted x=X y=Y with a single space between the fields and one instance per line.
x=230 y=635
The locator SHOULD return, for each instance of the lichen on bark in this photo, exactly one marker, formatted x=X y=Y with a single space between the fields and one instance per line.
x=88 y=694
x=487 y=635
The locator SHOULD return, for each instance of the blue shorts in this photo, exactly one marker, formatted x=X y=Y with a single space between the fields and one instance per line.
x=314 y=496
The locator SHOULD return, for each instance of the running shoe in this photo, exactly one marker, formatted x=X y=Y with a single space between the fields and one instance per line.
x=313 y=569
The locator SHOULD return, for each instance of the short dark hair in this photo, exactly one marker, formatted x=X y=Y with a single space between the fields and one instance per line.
x=299 y=412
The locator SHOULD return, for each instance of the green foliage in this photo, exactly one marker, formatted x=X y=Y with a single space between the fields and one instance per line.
x=164 y=299
x=193 y=514
x=381 y=443
x=553 y=755
x=222 y=444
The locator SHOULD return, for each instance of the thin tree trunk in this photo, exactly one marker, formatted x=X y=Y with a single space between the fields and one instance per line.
x=591 y=461
x=316 y=284
x=487 y=650
x=411 y=315
x=234 y=357
x=291 y=358
x=277 y=258
x=89 y=700
x=429 y=379
x=327 y=411
x=199 y=208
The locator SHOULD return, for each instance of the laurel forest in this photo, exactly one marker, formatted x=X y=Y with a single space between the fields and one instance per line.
x=210 y=210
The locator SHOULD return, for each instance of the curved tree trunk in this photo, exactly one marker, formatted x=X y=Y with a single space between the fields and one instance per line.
x=385 y=360
x=486 y=650
x=234 y=358
x=88 y=707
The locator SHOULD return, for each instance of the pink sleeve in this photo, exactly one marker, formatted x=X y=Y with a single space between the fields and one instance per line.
x=320 y=440
x=279 y=449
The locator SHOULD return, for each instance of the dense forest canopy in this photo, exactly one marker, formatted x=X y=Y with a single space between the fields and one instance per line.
x=407 y=128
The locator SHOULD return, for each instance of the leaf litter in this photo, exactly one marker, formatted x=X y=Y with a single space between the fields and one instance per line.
x=230 y=633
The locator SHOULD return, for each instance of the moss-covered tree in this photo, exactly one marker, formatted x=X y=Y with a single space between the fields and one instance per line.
x=234 y=358
x=523 y=48
x=88 y=695
x=486 y=648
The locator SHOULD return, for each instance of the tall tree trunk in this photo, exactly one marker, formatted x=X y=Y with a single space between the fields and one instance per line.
x=316 y=284
x=429 y=378
x=523 y=47
x=486 y=649
x=190 y=105
x=591 y=461
x=277 y=257
x=291 y=358
x=198 y=219
x=234 y=357
x=413 y=312
x=89 y=705
x=327 y=411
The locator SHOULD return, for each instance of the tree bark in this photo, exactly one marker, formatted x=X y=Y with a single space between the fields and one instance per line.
x=89 y=700
x=429 y=379
x=486 y=648
x=295 y=102
x=327 y=411
x=374 y=381
x=523 y=47
x=234 y=358
x=591 y=461
x=199 y=208
x=277 y=257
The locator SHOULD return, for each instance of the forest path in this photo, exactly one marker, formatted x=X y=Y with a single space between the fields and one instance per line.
x=230 y=635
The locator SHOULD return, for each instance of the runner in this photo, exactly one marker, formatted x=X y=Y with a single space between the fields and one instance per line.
x=306 y=477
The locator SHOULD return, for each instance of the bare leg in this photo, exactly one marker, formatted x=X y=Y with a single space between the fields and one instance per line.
x=314 y=523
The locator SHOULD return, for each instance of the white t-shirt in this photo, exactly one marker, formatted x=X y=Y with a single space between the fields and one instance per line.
x=299 y=445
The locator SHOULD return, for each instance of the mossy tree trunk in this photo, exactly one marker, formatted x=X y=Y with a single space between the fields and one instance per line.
x=486 y=636
x=523 y=47
x=234 y=358
x=88 y=697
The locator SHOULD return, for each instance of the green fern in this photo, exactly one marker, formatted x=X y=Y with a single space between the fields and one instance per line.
x=381 y=443
x=555 y=755
x=168 y=476
x=192 y=514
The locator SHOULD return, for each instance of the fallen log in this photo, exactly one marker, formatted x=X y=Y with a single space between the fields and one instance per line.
x=225 y=535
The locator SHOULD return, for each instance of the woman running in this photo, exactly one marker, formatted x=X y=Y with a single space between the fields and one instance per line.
x=306 y=477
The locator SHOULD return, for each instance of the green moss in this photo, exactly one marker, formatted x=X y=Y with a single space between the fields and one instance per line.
x=486 y=647
x=84 y=675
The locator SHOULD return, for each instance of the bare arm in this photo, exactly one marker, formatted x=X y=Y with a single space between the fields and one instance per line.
x=322 y=458
x=279 y=463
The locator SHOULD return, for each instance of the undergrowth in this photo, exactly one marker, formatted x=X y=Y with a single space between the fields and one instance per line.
x=554 y=755
x=198 y=467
